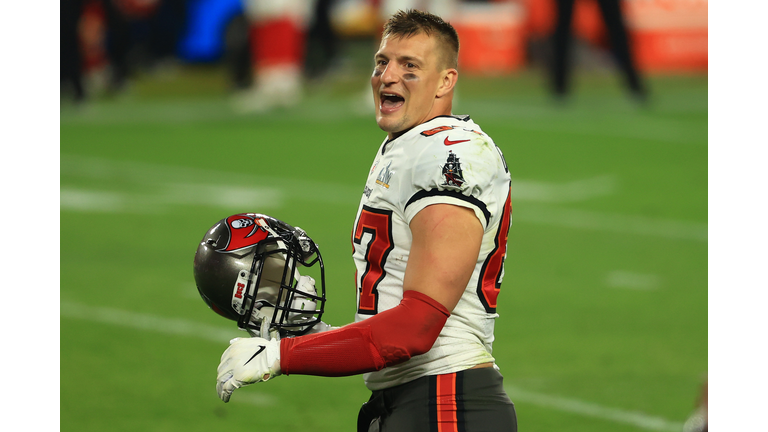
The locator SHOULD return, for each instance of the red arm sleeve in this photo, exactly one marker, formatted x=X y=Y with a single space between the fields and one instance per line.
x=389 y=338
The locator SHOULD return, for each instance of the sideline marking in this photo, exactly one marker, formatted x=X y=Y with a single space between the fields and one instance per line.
x=177 y=326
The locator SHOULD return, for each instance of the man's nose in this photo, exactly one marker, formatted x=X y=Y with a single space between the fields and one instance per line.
x=390 y=74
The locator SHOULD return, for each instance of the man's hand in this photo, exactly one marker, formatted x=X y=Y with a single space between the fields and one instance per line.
x=247 y=361
x=305 y=287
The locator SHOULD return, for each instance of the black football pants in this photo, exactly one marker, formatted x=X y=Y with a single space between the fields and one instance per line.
x=473 y=400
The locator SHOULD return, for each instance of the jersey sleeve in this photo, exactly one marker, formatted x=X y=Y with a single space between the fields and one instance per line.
x=462 y=171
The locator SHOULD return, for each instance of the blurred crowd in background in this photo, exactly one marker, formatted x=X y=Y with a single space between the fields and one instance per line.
x=271 y=47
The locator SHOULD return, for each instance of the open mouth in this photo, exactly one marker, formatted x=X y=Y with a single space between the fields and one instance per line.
x=391 y=101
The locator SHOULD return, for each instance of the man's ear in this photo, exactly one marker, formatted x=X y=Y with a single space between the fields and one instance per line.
x=448 y=80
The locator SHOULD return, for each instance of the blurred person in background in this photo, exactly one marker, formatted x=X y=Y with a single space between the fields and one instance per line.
x=442 y=8
x=71 y=61
x=277 y=40
x=95 y=40
x=322 y=41
x=119 y=41
x=429 y=242
x=142 y=35
x=244 y=55
x=105 y=42
x=619 y=40
x=292 y=41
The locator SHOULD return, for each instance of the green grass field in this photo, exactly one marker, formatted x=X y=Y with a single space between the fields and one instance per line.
x=603 y=322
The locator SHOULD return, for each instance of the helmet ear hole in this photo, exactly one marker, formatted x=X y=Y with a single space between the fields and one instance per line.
x=246 y=269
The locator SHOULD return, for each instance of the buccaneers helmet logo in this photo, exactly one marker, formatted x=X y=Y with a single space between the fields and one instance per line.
x=244 y=231
x=452 y=171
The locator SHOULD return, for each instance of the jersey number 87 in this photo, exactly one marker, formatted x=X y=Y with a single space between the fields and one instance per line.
x=378 y=225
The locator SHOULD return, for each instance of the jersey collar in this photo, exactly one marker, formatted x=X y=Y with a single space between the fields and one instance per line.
x=464 y=118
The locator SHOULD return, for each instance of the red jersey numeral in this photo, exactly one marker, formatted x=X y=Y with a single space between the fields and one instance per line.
x=378 y=225
x=489 y=282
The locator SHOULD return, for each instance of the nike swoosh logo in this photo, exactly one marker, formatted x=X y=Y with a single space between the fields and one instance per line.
x=449 y=142
x=261 y=348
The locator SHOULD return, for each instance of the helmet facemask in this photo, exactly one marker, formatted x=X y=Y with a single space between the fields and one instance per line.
x=274 y=293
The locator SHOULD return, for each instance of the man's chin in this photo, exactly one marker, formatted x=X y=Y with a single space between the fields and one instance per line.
x=389 y=126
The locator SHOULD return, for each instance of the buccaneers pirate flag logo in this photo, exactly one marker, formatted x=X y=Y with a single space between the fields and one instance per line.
x=244 y=230
x=452 y=171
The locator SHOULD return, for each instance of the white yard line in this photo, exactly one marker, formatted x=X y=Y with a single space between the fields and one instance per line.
x=92 y=201
x=165 y=196
x=588 y=409
x=159 y=187
x=662 y=130
x=148 y=322
x=575 y=191
x=220 y=335
x=184 y=183
x=632 y=280
x=186 y=180
x=251 y=397
x=610 y=222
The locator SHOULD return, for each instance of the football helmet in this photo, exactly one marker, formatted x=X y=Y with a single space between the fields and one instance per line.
x=246 y=270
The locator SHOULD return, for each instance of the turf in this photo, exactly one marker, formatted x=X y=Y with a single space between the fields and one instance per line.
x=604 y=302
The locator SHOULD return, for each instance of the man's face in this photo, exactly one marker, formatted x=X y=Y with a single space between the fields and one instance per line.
x=405 y=82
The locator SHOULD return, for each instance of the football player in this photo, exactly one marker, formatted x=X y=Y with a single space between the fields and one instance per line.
x=430 y=239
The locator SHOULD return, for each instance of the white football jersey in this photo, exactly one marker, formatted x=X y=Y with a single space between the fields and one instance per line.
x=445 y=160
